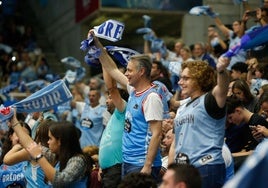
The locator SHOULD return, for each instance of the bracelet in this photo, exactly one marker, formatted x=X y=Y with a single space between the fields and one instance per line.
x=15 y=124
x=38 y=157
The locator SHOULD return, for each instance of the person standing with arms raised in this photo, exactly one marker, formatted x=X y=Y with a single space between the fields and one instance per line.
x=199 y=127
x=144 y=114
x=110 y=149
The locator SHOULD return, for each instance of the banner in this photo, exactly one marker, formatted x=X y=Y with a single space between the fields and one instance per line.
x=121 y=54
x=110 y=30
x=47 y=98
x=71 y=61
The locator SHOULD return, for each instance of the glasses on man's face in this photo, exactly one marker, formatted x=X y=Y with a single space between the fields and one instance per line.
x=185 y=78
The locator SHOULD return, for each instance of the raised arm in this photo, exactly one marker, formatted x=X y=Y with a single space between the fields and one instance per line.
x=108 y=63
x=113 y=91
x=221 y=26
x=25 y=139
x=34 y=149
x=16 y=154
x=221 y=89
x=252 y=63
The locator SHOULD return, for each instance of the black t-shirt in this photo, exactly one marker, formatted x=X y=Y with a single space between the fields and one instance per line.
x=212 y=107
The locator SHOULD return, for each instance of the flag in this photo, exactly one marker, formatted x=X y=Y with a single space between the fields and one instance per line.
x=121 y=54
x=110 y=30
x=147 y=21
x=35 y=85
x=70 y=76
x=71 y=61
x=47 y=98
x=203 y=10
x=249 y=40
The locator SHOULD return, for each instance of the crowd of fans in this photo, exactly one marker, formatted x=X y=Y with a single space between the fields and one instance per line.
x=88 y=150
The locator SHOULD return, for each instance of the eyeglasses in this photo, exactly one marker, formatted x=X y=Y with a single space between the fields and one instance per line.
x=185 y=78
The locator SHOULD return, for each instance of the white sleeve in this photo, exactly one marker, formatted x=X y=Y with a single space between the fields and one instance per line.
x=153 y=107
x=80 y=106
x=129 y=88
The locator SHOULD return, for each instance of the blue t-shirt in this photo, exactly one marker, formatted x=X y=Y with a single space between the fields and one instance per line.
x=12 y=175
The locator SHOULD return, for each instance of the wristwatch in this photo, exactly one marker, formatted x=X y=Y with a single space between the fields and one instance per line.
x=38 y=157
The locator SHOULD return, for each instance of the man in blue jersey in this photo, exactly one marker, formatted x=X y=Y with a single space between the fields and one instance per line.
x=144 y=114
x=91 y=121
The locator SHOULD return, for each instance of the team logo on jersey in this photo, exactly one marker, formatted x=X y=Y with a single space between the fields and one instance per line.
x=127 y=126
x=206 y=159
x=88 y=123
x=182 y=158
x=136 y=106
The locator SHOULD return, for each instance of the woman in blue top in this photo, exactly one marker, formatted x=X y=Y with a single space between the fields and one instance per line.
x=199 y=126
x=12 y=175
x=73 y=166
x=33 y=173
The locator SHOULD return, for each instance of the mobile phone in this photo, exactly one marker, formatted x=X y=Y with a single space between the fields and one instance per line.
x=252 y=127
x=252 y=13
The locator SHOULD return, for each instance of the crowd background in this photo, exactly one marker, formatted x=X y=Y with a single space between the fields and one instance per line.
x=23 y=61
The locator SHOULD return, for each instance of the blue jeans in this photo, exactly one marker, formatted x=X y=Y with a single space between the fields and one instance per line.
x=129 y=168
x=213 y=176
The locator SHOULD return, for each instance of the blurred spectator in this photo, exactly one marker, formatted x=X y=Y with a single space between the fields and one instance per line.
x=28 y=38
x=257 y=75
x=200 y=53
x=216 y=45
x=42 y=67
x=137 y=180
x=160 y=73
x=239 y=71
x=241 y=90
x=181 y=175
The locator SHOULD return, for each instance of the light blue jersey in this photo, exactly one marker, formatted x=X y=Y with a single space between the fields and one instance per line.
x=35 y=176
x=137 y=134
x=240 y=56
x=91 y=125
x=165 y=96
x=199 y=136
x=12 y=175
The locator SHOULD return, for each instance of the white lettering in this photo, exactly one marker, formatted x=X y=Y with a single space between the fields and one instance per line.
x=44 y=101
x=27 y=106
x=36 y=104
x=57 y=97
x=118 y=31
x=12 y=177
